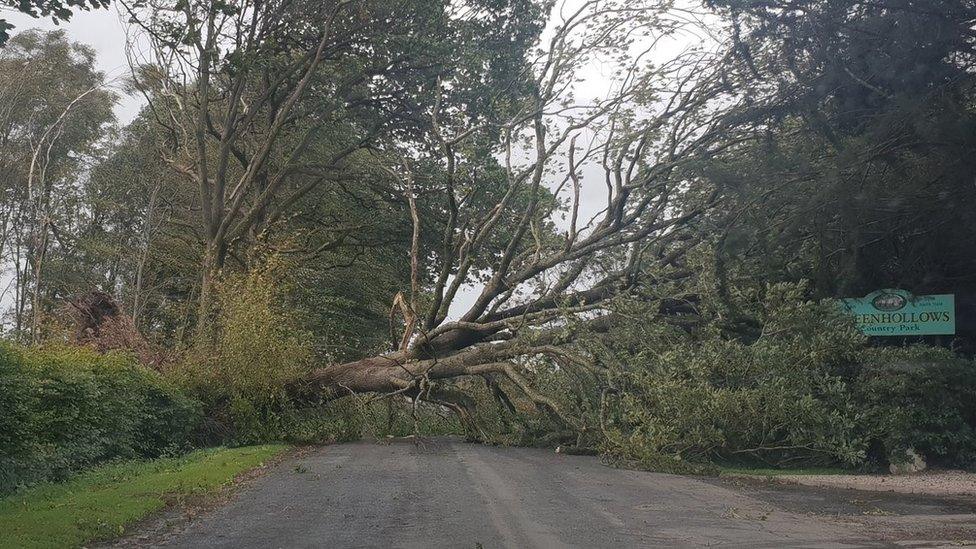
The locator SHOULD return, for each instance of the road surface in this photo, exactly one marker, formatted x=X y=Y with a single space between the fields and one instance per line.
x=442 y=493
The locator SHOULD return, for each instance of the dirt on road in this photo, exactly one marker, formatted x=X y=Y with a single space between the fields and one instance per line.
x=444 y=493
x=929 y=483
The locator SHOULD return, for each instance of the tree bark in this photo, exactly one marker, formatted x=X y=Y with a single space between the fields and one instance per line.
x=213 y=262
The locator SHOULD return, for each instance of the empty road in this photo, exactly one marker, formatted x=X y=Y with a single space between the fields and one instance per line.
x=443 y=493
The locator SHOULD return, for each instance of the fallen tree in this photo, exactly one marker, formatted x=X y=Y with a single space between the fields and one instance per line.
x=527 y=260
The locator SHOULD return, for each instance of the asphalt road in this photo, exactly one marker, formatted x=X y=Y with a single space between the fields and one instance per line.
x=450 y=494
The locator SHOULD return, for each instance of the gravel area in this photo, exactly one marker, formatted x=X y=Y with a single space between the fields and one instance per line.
x=930 y=483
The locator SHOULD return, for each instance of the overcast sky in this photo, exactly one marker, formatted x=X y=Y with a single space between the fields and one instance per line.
x=104 y=31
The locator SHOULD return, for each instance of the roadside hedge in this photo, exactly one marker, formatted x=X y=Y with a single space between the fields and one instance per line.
x=64 y=409
x=922 y=398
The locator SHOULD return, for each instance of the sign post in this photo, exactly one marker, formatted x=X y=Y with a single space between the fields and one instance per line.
x=899 y=313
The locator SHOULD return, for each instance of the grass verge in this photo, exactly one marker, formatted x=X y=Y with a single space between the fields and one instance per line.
x=98 y=504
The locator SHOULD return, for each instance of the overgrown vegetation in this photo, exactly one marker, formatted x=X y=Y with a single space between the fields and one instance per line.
x=243 y=368
x=918 y=398
x=240 y=367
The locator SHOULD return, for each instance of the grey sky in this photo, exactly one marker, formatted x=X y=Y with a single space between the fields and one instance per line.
x=104 y=31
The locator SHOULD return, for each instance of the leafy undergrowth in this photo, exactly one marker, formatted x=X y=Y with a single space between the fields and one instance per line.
x=99 y=504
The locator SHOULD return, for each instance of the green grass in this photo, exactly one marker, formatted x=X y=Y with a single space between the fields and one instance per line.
x=768 y=472
x=99 y=504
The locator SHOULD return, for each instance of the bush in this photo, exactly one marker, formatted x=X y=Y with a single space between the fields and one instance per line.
x=258 y=347
x=919 y=398
x=65 y=409
x=240 y=372
x=807 y=390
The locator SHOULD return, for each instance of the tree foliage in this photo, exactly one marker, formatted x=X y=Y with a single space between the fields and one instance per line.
x=55 y=111
x=264 y=103
x=863 y=178
x=809 y=390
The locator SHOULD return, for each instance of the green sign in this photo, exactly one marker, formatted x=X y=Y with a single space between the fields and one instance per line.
x=899 y=313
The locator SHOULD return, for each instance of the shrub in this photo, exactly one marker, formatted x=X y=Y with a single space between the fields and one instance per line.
x=919 y=398
x=259 y=346
x=69 y=408
x=241 y=371
x=808 y=389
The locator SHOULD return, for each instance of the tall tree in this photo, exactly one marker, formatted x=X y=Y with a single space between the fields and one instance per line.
x=863 y=179
x=54 y=110
x=245 y=88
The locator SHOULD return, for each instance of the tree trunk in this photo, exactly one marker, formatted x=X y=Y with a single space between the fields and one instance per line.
x=369 y=375
x=213 y=263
